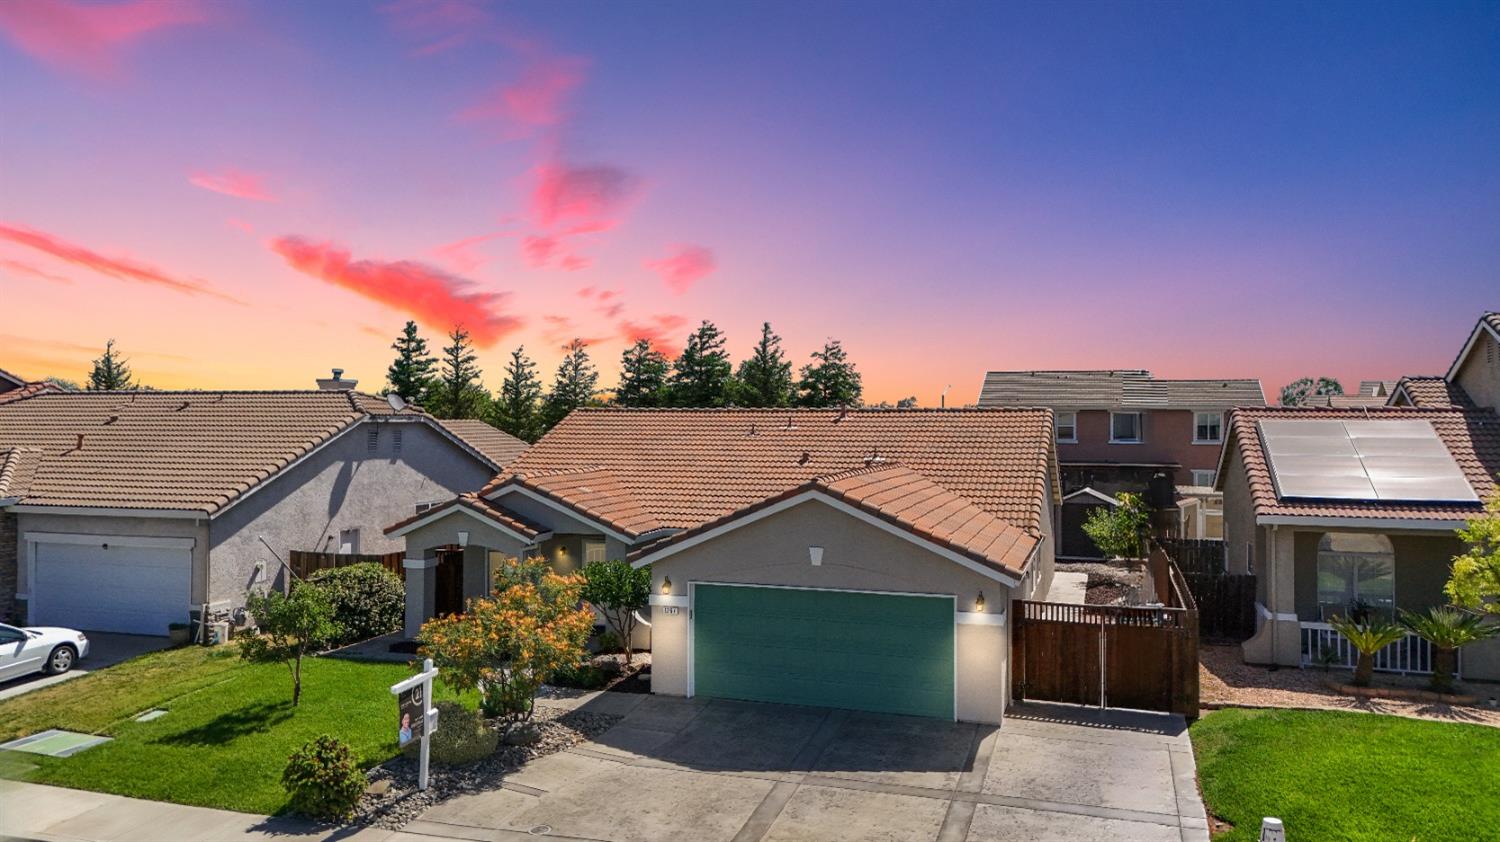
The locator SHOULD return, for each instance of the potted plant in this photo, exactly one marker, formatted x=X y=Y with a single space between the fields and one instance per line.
x=179 y=633
x=1447 y=629
x=1368 y=635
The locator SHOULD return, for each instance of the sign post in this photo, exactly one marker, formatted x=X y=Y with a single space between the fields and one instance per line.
x=416 y=716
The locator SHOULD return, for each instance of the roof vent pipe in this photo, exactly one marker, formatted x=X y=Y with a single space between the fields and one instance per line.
x=80 y=442
x=337 y=383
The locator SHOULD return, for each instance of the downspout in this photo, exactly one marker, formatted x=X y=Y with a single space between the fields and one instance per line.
x=1272 y=591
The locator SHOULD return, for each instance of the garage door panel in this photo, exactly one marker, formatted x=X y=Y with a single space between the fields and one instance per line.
x=118 y=588
x=862 y=651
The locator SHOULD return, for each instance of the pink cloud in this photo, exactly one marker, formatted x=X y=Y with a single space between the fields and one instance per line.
x=88 y=38
x=121 y=268
x=574 y=263
x=430 y=295
x=538 y=249
x=582 y=199
x=440 y=25
x=685 y=266
x=22 y=268
x=460 y=255
x=236 y=222
x=664 y=332
x=538 y=99
x=231 y=182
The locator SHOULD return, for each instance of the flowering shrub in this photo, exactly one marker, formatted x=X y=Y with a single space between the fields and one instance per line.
x=323 y=780
x=505 y=646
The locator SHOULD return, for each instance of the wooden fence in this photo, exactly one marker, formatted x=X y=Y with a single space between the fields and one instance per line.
x=304 y=563
x=1195 y=555
x=1109 y=655
x=1226 y=605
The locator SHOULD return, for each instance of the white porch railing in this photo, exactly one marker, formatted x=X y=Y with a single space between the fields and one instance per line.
x=1321 y=646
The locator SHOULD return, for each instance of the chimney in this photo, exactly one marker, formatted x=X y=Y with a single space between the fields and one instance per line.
x=337 y=383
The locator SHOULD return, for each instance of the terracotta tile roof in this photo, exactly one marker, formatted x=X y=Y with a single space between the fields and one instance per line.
x=15 y=380
x=1114 y=389
x=911 y=501
x=193 y=450
x=501 y=447
x=30 y=389
x=1434 y=392
x=17 y=467
x=1344 y=401
x=1472 y=437
x=644 y=469
x=486 y=509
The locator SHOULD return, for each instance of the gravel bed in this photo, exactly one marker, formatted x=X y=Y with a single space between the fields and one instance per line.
x=1109 y=583
x=1224 y=679
x=402 y=802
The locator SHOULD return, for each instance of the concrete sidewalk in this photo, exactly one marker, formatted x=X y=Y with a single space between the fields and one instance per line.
x=32 y=811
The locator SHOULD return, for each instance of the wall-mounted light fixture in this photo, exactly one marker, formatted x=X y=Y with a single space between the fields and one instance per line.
x=979 y=602
x=815 y=555
x=463 y=538
x=666 y=585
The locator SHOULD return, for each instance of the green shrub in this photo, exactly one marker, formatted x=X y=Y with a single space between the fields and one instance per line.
x=584 y=676
x=462 y=736
x=323 y=780
x=368 y=600
x=608 y=641
x=1117 y=530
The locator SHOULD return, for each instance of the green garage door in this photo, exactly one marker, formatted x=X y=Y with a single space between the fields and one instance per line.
x=840 y=649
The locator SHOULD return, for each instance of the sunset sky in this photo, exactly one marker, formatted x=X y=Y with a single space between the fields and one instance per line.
x=246 y=194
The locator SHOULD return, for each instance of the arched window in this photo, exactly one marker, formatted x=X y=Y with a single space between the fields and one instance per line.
x=1356 y=572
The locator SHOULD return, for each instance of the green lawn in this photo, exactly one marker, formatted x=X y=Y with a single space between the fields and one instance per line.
x=227 y=733
x=1335 y=776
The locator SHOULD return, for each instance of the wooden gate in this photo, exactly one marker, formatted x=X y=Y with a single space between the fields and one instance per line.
x=1144 y=658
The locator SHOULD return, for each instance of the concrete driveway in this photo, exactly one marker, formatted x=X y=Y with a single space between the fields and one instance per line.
x=105 y=650
x=718 y=771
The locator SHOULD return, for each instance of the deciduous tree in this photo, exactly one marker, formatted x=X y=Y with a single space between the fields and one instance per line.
x=618 y=590
x=287 y=627
x=1474 y=582
x=1297 y=392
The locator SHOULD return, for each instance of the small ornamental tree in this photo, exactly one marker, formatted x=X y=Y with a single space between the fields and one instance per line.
x=287 y=628
x=1117 y=530
x=1448 y=630
x=506 y=645
x=1369 y=636
x=618 y=590
x=323 y=780
x=1475 y=580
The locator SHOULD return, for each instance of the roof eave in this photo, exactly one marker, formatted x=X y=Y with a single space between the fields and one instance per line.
x=1480 y=328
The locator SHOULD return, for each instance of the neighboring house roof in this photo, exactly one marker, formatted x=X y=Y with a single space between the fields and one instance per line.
x=901 y=497
x=30 y=389
x=17 y=467
x=1488 y=323
x=501 y=447
x=1377 y=388
x=1344 y=401
x=15 y=381
x=1114 y=389
x=1431 y=392
x=1472 y=437
x=182 y=450
x=1091 y=497
x=484 y=510
x=636 y=471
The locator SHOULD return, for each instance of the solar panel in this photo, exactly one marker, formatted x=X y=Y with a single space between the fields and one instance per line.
x=1377 y=460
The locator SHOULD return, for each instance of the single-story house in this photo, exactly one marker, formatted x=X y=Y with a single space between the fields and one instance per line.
x=1338 y=510
x=127 y=511
x=859 y=558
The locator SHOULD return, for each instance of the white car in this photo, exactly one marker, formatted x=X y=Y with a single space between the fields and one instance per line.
x=24 y=651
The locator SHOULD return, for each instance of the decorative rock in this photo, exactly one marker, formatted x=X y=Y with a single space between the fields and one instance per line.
x=378 y=788
x=523 y=735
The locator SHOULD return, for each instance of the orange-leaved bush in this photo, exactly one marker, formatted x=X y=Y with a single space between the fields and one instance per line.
x=506 y=645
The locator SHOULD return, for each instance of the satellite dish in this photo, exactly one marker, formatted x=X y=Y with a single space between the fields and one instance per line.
x=397 y=402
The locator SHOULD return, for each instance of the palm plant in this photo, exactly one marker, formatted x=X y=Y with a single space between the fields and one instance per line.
x=1369 y=635
x=1447 y=629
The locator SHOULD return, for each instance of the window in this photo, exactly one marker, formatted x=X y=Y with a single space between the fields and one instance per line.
x=593 y=551
x=348 y=541
x=1356 y=571
x=372 y=439
x=1203 y=478
x=1208 y=428
x=1125 y=428
x=1067 y=427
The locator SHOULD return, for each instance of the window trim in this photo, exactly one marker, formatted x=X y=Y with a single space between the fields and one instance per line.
x=1057 y=425
x=1219 y=415
x=590 y=543
x=1317 y=573
x=1140 y=427
x=1194 y=472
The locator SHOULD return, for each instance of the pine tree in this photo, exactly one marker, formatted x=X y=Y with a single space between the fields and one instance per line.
x=111 y=372
x=765 y=379
x=830 y=379
x=643 y=376
x=459 y=393
x=517 y=409
x=410 y=376
x=702 y=375
x=575 y=385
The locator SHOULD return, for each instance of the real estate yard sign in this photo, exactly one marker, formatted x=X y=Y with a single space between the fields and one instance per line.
x=416 y=718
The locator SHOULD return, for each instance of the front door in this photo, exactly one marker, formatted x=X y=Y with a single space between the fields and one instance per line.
x=449 y=583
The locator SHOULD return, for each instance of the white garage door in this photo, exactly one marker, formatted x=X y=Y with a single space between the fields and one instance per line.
x=110 y=587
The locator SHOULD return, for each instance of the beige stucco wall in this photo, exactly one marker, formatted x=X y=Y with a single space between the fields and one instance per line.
x=1422 y=566
x=1479 y=376
x=856 y=556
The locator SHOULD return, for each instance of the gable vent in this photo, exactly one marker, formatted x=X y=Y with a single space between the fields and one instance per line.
x=372 y=439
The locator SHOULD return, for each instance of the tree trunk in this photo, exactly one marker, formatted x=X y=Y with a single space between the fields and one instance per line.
x=1444 y=664
x=1364 y=669
x=297 y=681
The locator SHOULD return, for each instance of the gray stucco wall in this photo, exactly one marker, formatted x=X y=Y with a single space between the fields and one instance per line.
x=856 y=556
x=343 y=486
x=155 y=527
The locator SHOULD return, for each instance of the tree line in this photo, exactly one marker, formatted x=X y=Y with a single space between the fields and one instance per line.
x=450 y=384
